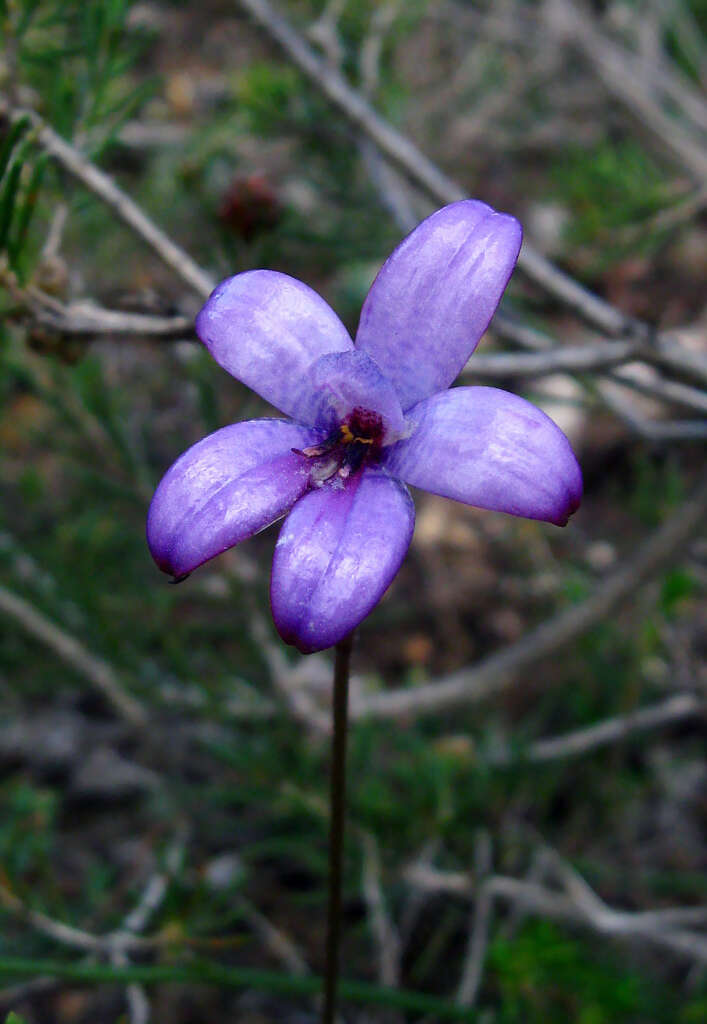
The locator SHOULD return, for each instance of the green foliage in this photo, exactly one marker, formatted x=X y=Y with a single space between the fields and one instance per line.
x=79 y=56
x=22 y=170
x=679 y=585
x=28 y=817
x=266 y=94
x=613 y=185
x=83 y=446
x=545 y=977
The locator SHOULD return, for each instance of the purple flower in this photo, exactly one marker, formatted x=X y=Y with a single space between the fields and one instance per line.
x=367 y=418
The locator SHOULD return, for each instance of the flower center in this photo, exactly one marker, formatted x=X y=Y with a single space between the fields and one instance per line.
x=356 y=441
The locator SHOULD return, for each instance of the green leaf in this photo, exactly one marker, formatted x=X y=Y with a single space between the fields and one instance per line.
x=17 y=129
x=26 y=211
x=209 y=973
x=8 y=194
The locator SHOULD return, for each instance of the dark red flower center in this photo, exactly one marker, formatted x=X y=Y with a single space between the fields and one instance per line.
x=356 y=440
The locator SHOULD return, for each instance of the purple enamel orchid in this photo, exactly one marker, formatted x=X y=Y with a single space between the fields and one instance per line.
x=367 y=418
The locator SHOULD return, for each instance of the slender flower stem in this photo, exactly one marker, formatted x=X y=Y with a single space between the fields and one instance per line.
x=336 y=826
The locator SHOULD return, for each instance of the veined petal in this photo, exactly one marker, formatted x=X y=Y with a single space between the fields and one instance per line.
x=492 y=449
x=435 y=295
x=343 y=384
x=267 y=329
x=224 y=489
x=337 y=553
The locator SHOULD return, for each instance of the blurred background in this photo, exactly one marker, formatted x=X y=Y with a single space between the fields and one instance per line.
x=528 y=799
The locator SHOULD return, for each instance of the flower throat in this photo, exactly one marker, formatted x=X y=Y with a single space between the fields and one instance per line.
x=354 y=442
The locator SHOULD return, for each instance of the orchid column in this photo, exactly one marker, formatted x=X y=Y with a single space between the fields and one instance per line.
x=367 y=418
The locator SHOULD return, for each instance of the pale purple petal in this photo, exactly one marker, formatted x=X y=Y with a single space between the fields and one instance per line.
x=226 y=488
x=435 y=295
x=338 y=551
x=343 y=385
x=492 y=449
x=267 y=329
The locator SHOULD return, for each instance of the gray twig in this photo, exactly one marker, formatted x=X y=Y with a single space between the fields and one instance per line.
x=472 y=972
x=615 y=68
x=98 y=672
x=405 y=155
x=579 y=904
x=126 y=209
x=612 y=730
x=385 y=934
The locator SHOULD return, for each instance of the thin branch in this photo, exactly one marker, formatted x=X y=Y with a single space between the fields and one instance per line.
x=657 y=387
x=614 y=66
x=567 y=359
x=405 y=155
x=497 y=672
x=151 y=900
x=675 y=430
x=285 y=680
x=472 y=972
x=275 y=940
x=612 y=730
x=88 y=318
x=98 y=182
x=68 y=935
x=578 y=905
x=71 y=651
x=600 y=355
x=384 y=932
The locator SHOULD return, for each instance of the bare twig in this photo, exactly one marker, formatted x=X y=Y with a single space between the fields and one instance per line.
x=275 y=940
x=284 y=678
x=472 y=972
x=382 y=143
x=616 y=71
x=497 y=672
x=97 y=671
x=600 y=355
x=126 y=209
x=385 y=934
x=579 y=905
x=68 y=935
x=405 y=155
x=675 y=430
x=137 y=920
x=612 y=730
x=324 y=31
x=88 y=318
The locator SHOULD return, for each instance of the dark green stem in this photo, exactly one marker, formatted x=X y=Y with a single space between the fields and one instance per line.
x=337 y=807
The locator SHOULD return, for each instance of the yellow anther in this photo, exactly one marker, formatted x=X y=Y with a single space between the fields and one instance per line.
x=347 y=437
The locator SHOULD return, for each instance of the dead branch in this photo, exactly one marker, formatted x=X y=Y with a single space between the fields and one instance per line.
x=575 y=904
x=98 y=182
x=384 y=932
x=71 y=651
x=406 y=156
x=615 y=68
x=618 y=729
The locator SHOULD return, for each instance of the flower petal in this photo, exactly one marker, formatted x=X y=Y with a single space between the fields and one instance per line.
x=492 y=449
x=344 y=383
x=337 y=553
x=226 y=488
x=267 y=329
x=435 y=295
